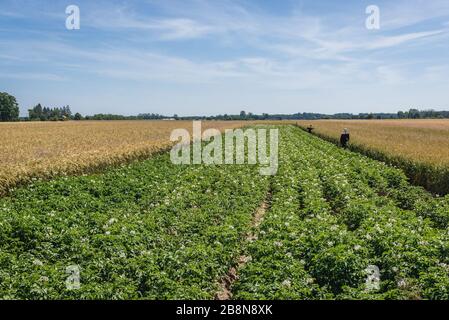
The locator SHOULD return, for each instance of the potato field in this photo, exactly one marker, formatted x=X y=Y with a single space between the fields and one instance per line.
x=331 y=224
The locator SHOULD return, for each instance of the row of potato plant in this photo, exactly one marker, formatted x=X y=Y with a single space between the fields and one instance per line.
x=336 y=215
x=149 y=230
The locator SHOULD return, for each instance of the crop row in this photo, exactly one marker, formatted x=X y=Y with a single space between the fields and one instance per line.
x=335 y=218
x=149 y=230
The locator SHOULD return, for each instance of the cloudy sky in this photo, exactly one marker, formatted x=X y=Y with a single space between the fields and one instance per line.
x=223 y=56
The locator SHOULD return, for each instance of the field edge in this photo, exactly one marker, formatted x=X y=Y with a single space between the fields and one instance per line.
x=433 y=178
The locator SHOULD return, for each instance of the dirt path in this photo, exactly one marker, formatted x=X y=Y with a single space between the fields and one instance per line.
x=227 y=281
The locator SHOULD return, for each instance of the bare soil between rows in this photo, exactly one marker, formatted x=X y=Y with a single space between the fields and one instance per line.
x=225 y=291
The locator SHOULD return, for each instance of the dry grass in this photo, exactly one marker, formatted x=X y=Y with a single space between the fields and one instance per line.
x=47 y=149
x=425 y=141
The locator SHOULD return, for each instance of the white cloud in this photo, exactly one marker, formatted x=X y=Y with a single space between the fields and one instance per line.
x=10 y=14
x=387 y=42
x=163 y=29
x=390 y=76
x=181 y=29
x=400 y=14
x=297 y=34
x=435 y=74
x=33 y=76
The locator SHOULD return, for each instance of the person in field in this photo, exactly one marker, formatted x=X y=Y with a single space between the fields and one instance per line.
x=344 y=138
x=310 y=129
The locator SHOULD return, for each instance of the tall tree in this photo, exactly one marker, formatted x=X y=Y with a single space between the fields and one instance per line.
x=9 y=109
x=36 y=113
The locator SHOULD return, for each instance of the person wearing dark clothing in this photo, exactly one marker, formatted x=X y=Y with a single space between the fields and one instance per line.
x=344 y=139
x=310 y=129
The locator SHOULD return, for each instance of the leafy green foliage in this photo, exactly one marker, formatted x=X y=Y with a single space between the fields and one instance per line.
x=149 y=230
x=334 y=213
x=153 y=230
x=9 y=109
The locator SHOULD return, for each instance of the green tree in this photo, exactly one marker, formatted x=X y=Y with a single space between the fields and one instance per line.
x=414 y=114
x=36 y=113
x=78 y=116
x=66 y=112
x=9 y=109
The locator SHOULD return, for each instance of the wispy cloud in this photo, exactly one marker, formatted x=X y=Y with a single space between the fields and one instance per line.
x=10 y=14
x=32 y=76
x=386 y=42
x=162 y=28
x=401 y=14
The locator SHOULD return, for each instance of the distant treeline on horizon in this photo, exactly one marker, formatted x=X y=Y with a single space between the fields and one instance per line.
x=9 y=111
x=411 y=114
x=59 y=114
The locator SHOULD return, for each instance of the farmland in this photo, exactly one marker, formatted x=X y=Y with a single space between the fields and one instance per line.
x=44 y=150
x=419 y=140
x=419 y=147
x=154 y=230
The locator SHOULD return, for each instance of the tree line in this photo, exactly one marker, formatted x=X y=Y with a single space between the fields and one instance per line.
x=9 y=111
x=51 y=114
x=411 y=114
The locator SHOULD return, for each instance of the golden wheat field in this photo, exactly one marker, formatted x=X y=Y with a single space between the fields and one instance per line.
x=425 y=141
x=46 y=149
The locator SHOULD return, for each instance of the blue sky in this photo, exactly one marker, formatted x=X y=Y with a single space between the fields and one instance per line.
x=223 y=56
